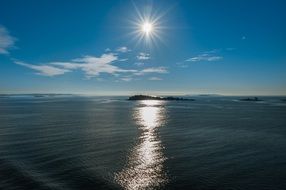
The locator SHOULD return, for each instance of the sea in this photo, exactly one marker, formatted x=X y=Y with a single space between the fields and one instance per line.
x=70 y=142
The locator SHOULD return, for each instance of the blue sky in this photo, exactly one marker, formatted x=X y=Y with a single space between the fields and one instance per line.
x=98 y=47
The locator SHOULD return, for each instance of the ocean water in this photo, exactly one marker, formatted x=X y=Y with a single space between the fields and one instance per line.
x=73 y=142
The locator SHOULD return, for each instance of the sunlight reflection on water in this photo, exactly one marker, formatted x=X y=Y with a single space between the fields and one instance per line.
x=144 y=169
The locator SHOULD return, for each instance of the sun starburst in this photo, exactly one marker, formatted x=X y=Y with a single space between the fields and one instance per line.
x=147 y=26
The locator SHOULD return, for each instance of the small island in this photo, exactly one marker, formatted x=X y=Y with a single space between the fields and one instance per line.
x=169 y=98
x=255 y=99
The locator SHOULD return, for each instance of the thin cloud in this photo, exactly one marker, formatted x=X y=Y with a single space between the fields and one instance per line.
x=6 y=40
x=182 y=64
x=143 y=56
x=123 y=49
x=45 y=70
x=160 y=70
x=139 y=63
x=154 y=78
x=205 y=57
x=155 y=70
x=126 y=79
x=212 y=51
x=208 y=56
x=125 y=59
x=93 y=66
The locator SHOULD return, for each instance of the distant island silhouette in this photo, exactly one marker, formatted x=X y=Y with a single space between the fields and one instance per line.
x=255 y=99
x=169 y=98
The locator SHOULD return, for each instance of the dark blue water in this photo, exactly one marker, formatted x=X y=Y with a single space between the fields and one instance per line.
x=72 y=142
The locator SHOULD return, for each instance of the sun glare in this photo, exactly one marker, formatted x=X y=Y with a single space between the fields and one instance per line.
x=147 y=28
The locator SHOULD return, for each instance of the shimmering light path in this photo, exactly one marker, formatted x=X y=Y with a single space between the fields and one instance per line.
x=144 y=169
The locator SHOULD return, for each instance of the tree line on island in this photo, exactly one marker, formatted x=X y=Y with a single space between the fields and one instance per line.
x=172 y=98
x=169 y=98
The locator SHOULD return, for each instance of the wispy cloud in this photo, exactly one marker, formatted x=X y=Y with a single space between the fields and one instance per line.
x=213 y=51
x=123 y=49
x=45 y=70
x=154 y=78
x=92 y=67
x=126 y=79
x=139 y=63
x=143 y=56
x=155 y=70
x=6 y=40
x=125 y=59
x=160 y=70
x=182 y=64
x=205 y=57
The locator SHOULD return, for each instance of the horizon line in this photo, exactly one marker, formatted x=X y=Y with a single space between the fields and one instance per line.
x=131 y=94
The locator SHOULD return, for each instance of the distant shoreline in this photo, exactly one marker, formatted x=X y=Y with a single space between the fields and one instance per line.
x=169 y=98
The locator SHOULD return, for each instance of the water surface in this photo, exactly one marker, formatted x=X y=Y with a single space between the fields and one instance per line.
x=73 y=142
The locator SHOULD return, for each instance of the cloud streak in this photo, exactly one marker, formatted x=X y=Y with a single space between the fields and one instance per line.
x=139 y=64
x=143 y=56
x=159 y=70
x=123 y=49
x=205 y=57
x=154 y=78
x=155 y=70
x=45 y=70
x=92 y=67
x=6 y=40
x=126 y=79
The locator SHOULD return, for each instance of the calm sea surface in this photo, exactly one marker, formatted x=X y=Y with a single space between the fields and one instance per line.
x=73 y=142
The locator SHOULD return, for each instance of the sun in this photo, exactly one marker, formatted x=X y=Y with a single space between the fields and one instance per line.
x=147 y=25
x=147 y=28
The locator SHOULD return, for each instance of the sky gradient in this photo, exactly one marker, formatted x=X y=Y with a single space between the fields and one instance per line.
x=96 y=47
